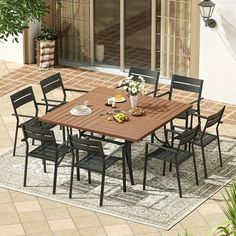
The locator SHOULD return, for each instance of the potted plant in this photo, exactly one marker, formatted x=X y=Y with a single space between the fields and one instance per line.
x=133 y=86
x=46 y=48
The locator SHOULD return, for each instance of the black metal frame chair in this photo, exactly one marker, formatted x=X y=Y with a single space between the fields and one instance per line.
x=187 y=84
x=94 y=160
x=18 y=100
x=150 y=77
x=49 y=150
x=173 y=155
x=50 y=84
x=204 y=138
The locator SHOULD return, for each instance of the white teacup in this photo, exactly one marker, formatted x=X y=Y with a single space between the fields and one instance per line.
x=80 y=108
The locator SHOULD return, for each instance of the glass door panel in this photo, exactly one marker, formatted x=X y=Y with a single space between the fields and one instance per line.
x=138 y=33
x=107 y=32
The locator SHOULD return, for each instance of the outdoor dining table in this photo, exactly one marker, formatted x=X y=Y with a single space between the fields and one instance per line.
x=158 y=112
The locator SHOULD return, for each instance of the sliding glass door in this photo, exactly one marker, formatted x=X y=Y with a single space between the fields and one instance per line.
x=152 y=34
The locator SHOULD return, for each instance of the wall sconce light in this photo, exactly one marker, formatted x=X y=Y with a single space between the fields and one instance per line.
x=206 y=10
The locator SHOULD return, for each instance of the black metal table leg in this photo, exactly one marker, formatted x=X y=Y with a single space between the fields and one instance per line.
x=128 y=159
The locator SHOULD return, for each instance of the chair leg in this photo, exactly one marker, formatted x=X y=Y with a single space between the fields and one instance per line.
x=89 y=176
x=218 y=141
x=178 y=179
x=204 y=161
x=123 y=169
x=72 y=175
x=145 y=167
x=26 y=167
x=170 y=167
x=152 y=138
x=15 y=141
x=63 y=134
x=77 y=163
x=164 y=168
x=102 y=188
x=195 y=166
x=44 y=166
x=55 y=177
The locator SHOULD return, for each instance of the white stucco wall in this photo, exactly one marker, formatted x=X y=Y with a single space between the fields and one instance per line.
x=218 y=54
x=34 y=28
x=13 y=52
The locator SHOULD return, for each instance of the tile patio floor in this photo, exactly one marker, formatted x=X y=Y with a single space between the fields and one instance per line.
x=22 y=214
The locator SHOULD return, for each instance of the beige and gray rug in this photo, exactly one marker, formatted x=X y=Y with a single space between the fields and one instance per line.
x=158 y=206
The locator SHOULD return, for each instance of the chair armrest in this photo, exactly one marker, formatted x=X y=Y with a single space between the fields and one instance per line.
x=19 y=115
x=146 y=94
x=52 y=100
x=41 y=104
x=162 y=94
x=201 y=116
x=152 y=92
x=116 y=150
x=62 y=144
x=76 y=90
x=197 y=100
x=161 y=147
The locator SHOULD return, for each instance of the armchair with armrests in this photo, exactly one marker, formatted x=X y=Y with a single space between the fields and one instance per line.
x=50 y=84
x=94 y=161
x=192 y=85
x=173 y=155
x=49 y=150
x=204 y=137
x=18 y=100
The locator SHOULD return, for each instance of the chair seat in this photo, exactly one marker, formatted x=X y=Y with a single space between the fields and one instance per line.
x=94 y=162
x=35 y=122
x=46 y=151
x=183 y=115
x=206 y=139
x=169 y=156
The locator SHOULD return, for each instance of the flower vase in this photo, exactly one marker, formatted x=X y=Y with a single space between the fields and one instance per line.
x=134 y=101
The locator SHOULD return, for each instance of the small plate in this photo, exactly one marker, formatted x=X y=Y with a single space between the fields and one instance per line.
x=85 y=112
x=137 y=112
x=123 y=99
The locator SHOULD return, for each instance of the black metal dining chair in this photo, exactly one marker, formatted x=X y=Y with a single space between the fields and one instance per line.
x=93 y=161
x=187 y=84
x=204 y=138
x=150 y=77
x=18 y=100
x=173 y=155
x=48 y=150
x=52 y=83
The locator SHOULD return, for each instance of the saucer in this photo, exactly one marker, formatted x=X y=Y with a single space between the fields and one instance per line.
x=123 y=99
x=83 y=112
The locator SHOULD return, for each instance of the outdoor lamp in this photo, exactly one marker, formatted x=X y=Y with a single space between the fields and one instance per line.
x=206 y=10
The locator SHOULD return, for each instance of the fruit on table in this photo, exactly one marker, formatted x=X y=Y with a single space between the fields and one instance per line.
x=121 y=117
x=110 y=118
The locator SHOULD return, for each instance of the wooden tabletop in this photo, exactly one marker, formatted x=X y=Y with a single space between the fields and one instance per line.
x=158 y=112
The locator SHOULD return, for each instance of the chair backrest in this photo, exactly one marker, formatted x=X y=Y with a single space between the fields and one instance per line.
x=189 y=135
x=150 y=76
x=214 y=119
x=23 y=97
x=89 y=146
x=186 y=84
x=39 y=134
x=51 y=83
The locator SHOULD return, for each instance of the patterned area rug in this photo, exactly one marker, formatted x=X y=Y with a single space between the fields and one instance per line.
x=158 y=206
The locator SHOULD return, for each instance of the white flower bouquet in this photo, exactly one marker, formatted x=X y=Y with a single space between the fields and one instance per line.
x=133 y=85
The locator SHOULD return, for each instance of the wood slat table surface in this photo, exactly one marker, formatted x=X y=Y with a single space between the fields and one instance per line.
x=158 y=112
